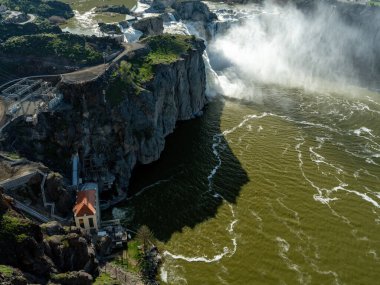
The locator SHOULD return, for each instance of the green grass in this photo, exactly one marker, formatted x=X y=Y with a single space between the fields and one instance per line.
x=167 y=48
x=83 y=6
x=75 y=48
x=14 y=229
x=105 y=279
x=13 y=155
x=164 y=49
x=72 y=48
x=374 y=3
x=40 y=7
x=130 y=264
x=39 y=26
x=6 y=271
x=131 y=75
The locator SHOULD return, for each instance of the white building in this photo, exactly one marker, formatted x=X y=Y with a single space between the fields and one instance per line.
x=86 y=209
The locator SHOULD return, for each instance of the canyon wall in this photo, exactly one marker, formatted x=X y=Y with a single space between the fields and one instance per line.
x=113 y=133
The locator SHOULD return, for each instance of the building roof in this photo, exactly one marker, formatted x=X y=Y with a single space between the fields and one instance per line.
x=85 y=204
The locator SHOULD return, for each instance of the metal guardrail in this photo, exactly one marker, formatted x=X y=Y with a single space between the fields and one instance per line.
x=31 y=211
x=17 y=181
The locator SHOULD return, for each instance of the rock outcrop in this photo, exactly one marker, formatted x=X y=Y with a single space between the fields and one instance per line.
x=194 y=11
x=150 y=26
x=123 y=128
x=41 y=251
x=11 y=276
x=120 y=9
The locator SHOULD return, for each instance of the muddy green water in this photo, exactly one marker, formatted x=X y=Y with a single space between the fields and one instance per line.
x=281 y=190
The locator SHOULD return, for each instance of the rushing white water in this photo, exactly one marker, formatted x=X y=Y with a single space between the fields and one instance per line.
x=84 y=23
x=312 y=159
x=288 y=47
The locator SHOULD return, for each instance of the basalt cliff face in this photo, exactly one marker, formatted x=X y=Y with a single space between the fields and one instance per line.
x=33 y=254
x=114 y=132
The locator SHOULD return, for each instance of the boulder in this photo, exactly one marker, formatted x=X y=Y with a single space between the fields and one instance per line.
x=52 y=228
x=194 y=11
x=120 y=9
x=104 y=246
x=56 y=193
x=109 y=28
x=150 y=26
x=11 y=276
x=72 y=278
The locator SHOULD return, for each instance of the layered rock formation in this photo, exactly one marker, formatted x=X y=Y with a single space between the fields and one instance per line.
x=150 y=26
x=194 y=11
x=41 y=252
x=129 y=126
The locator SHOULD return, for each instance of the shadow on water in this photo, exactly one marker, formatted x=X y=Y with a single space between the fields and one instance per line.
x=177 y=187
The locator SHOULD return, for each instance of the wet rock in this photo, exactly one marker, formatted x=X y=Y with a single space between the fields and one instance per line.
x=194 y=11
x=109 y=28
x=150 y=26
x=120 y=9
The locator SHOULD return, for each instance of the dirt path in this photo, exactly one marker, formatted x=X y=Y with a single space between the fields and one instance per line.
x=91 y=73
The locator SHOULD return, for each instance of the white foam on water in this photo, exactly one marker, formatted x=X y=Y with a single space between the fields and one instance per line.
x=374 y=254
x=140 y=7
x=360 y=106
x=131 y=35
x=317 y=197
x=227 y=252
x=319 y=159
x=371 y=161
x=362 y=130
x=163 y=275
x=326 y=272
x=364 y=196
x=284 y=247
x=373 y=101
x=149 y=187
x=86 y=23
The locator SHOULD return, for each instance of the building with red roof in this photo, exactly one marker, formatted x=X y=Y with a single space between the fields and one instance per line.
x=86 y=209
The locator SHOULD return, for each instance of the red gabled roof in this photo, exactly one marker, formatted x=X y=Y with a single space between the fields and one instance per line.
x=86 y=203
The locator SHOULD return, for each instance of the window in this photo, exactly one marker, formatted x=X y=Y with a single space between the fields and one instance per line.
x=91 y=222
x=81 y=223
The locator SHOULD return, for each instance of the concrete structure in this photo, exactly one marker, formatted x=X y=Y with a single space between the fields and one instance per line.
x=86 y=209
x=27 y=97
x=75 y=175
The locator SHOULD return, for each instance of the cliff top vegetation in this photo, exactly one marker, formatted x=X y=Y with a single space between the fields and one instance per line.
x=40 y=25
x=161 y=49
x=75 y=48
x=43 y=8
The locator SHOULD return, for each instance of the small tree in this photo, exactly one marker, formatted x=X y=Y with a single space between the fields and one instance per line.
x=145 y=237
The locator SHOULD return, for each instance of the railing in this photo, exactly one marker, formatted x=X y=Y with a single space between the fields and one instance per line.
x=30 y=211
x=22 y=179
x=17 y=181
